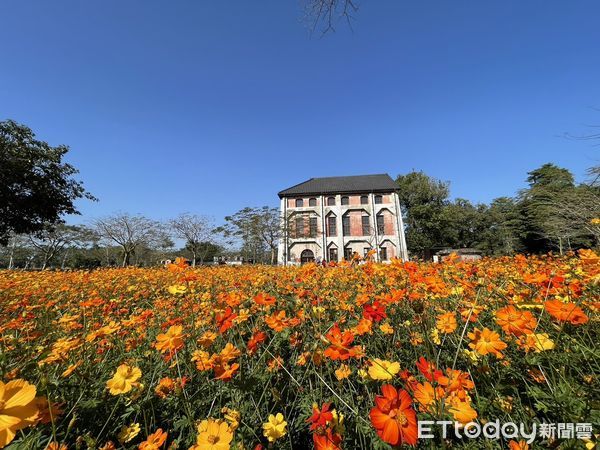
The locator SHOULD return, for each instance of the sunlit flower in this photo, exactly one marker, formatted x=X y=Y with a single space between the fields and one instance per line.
x=342 y=372
x=154 y=441
x=124 y=379
x=393 y=417
x=18 y=408
x=380 y=369
x=275 y=427
x=486 y=341
x=213 y=435
x=566 y=312
x=128 y=432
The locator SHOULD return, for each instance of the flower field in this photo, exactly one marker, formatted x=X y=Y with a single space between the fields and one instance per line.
x=348 y=356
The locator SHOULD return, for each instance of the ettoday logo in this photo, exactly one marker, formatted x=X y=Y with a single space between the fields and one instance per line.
x=507 y=430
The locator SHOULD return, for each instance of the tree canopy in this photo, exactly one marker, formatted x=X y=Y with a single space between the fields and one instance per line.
x=36 y=186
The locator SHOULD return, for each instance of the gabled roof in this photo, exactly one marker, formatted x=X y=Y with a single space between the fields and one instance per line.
x=342 y=185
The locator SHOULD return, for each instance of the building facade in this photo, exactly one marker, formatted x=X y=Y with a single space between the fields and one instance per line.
x=332 y=218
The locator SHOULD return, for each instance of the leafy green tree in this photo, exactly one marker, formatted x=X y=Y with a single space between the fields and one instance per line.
x=36 y=186
x=258 y=229
x=422 y=200
x=540 y=232
x=501 y=230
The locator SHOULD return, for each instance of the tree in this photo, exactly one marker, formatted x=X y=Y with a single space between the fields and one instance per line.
x=540 y=230
x=53 y=240
x=131 y=233
x=422 y=200
x=259 y=230
x=500 y=234
x=327 y=12
x=196 y=231
x=36 y=186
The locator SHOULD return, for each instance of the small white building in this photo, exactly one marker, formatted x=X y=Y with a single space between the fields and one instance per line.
x=332 y=218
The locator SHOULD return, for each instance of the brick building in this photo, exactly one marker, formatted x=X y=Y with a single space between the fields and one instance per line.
x=331 y=218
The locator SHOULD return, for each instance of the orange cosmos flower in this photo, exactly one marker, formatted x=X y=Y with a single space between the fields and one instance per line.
x=277 y=321
x=327 y=441
x=487 y=341
x=264 y=299
x=446 y=323
x=566 y=312
x=463 y=412
x=515 y=321
x=340 y=344
x=520 y=445
x=428 y=369
x=154 y=441
x=256 y=339
x=320 y=417
x=224 y=320
x=426 y=395
x=393 y=417
x=455 y=380
x=225 y=372
x=171 y=341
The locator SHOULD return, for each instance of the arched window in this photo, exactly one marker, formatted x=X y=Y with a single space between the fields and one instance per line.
x=312 y=202
x=364 y=200
x=345 y=200
x=299 y=203
x=378 y=199
x=330 y=201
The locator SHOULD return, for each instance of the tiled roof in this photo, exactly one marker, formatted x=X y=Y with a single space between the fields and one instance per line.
x=342 y=185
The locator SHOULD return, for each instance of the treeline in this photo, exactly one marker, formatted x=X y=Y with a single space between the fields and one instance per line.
x=124 y=239
x=553 y=213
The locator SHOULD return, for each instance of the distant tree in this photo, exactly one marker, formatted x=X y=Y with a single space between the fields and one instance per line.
x=259 y=230
x=422 y=200
x=36 y=186
x=196 y=231
x=51 y=242
x=131 y=233
x=540 y=232
x=500 y=234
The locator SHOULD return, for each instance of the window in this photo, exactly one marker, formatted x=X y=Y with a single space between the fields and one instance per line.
x=330 y=201
x=366 y=228
x=345 y=200
x=380 y=224
x=378 y=199
x=364 y=200
x=347 y=254
x=366 y=251
x=333 y=255
x=346 y=225
x=331 y=226
x=299 y=203
x=312 y=202
x=299 y=227
x=383 y=254
x=313 y=227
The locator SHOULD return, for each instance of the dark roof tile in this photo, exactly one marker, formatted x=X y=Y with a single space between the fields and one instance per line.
x=342 y=185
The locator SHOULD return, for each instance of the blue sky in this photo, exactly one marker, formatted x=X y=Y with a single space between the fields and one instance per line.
x=208 y=107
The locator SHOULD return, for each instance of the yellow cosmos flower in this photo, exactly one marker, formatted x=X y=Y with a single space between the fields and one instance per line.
x=386 y=328
x=17 y=408
x=232 y=416
x=381 y=369
x=274 y=428
x=213 y=435
x=177 y=289
x=128 y=432
x=124 y=379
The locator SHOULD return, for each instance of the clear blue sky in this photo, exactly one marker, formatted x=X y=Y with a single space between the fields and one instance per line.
x=208 y=107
